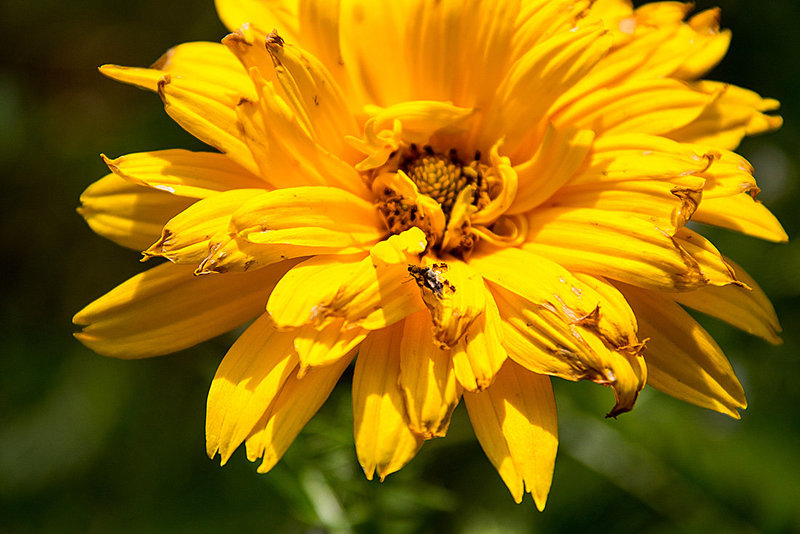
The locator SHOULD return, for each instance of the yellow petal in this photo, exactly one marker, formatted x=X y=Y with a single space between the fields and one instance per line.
x=561 y=155
x=479 y=354
x=707 y=45
x=290 y=223
x=728 y=175
x=662 y=13
x=284 y=149
x=297 y=402
x=539 y=340
x=247 y=382
x=639 y=106
x=264 y=218
x=535 y=81
x=301 y=295
x=624 y=157
x=227 y=252
x=742 y=213
x=372 y=293
x=665 y=46
x=668 y=205
x=426 y=380
x=128 y=214
x=166 y=309
x=614 y=245
x=555 y=290
x=208 y=112
x=454 y=295
x=384 y=442
x=544 y=343
x=376 y=32
x=325 y=345
x=734 y=113
x=745 y=307
x=442 y=60
x=184 y=173
x=210 y=63
x=682 y=359
x=186 y=237
x=314 y=96
x=278 y=14
x=388 y=128
x=625 y=372
x=714 y=267
x=626 y=60
x=516 y=424
x=538 y=20
x=616 y=322
x=501 y=175
x=319 y=23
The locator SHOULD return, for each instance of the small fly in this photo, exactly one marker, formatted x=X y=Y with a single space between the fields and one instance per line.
x=431 y=278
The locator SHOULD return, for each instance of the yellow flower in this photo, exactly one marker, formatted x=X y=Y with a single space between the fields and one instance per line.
x=470 y=196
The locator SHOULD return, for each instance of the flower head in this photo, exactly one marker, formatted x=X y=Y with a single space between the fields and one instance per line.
x=466 y=197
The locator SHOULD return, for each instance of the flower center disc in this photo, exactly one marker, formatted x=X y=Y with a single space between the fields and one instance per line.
x=438 y=177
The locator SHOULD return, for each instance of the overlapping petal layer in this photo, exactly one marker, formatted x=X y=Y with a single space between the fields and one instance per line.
x=467 y=196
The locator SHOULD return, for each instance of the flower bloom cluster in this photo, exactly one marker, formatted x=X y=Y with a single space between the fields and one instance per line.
x=465 y=197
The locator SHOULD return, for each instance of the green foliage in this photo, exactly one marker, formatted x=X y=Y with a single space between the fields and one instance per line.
x=89 y=444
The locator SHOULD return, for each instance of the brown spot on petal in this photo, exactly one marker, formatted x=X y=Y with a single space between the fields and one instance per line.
x=590 y=320
x=690 y=199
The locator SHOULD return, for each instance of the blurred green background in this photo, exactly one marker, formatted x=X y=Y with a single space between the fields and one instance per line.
x=89 y=444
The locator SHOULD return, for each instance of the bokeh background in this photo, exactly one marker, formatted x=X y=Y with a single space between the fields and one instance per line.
x=89 y=444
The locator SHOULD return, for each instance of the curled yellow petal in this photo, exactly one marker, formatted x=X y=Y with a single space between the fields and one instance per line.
x=714 y=267
x=296 y=208
x=625 y=156
x=668 y=205
x=479 y=354
x=405 y=123
x=544 y=343
x=454 y=295
x=302 y=294
x=426 y=378
x=187 y=236
x=290 y=223
x=555 y=290
x=207 y=112
x=371 y=292
x=313 y=94
x=615 y=245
